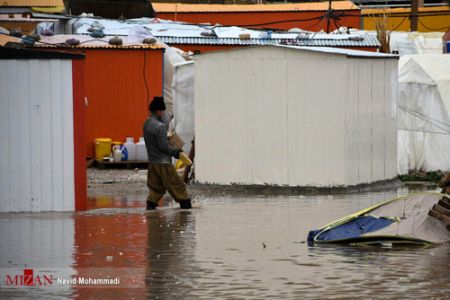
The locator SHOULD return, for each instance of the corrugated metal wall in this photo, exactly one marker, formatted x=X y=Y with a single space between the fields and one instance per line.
x=117 y=94
x=36 y=129
x=279 y=116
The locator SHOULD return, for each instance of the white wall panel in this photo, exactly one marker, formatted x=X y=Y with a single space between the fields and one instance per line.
x=39 y=176
x=316 y=123
x=67 y=163
x=288 y=117
x=390 y=112
x=269 y=122
x=20 y=137
x=364 y=137
x=352 y=125
x=38 y=169
x=57 y=136
x=378 y=123
x=5 y=132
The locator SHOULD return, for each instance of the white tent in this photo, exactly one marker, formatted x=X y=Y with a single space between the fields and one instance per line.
x=416 y=42
x=423 y=118
x=183 y=100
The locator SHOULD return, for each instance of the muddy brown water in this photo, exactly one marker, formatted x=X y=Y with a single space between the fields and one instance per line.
x=227 y=247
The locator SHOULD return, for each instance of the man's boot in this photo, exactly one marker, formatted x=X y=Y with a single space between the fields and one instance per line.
x=151 y=205
x=185 y=204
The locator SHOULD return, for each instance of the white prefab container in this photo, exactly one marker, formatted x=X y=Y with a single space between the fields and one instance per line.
x=294 y=116
x=42 y=165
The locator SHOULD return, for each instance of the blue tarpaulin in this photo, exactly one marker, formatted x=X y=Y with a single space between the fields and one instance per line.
x=352 y=229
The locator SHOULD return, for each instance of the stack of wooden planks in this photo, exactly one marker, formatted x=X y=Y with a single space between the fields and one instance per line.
x=441 y=210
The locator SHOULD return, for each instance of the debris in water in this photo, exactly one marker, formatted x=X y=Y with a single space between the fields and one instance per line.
x=109 y=258
x=264 y=245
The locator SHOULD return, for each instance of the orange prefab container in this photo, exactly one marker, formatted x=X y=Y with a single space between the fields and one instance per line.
x=307 y=16
x=119 y=82
x=118 y=93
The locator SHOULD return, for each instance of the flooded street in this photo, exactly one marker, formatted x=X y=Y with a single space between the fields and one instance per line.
x=227 y=247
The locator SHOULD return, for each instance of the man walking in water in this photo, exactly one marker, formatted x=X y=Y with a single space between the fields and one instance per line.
x=162 y=175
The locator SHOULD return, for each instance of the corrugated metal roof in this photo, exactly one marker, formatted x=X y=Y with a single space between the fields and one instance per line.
x=26 y=20
x=4 y=39
x=179 y=33
x=88 y=42
x=367 y=41
x=49 y=10
x=31 y=3
x=14 y=10
x=49 y=16
x=228 y=8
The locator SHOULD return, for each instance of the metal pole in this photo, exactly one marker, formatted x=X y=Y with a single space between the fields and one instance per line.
x=414 y=13
x=328 y=16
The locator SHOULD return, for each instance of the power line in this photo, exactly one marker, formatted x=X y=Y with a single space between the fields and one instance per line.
x=283 y=21
x=407 y=109
x=145 y=77
x=424 y=131
x=433 y=29
x=436 y=123
x=399 y=24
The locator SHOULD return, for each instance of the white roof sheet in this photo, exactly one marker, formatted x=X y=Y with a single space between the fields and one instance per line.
x=347 y=52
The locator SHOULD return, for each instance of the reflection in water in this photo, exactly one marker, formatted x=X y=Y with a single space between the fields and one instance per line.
x=115 y=202
x=231 y=247
x=171 y=243
x=42 y=242
x=110 y=241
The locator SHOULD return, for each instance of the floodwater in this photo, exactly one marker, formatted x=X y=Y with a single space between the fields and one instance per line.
x=227 y=247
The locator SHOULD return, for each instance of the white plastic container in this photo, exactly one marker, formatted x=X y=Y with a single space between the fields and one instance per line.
x=141 y=151
x=131 y=148
x=117 y=153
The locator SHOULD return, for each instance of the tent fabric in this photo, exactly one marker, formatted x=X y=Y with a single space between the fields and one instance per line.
x=424 y=113
x=355 y=228
x=407 y=43
x=183 y=99
x=414 y=221
x=404 y=218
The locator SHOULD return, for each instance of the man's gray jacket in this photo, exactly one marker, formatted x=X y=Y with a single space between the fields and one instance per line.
x=158 y=148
